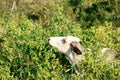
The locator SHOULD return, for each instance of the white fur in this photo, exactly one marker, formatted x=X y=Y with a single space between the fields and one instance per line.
x=63 y=45
x=58 y=42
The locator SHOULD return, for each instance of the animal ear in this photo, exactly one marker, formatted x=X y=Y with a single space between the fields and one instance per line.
x=77 y=48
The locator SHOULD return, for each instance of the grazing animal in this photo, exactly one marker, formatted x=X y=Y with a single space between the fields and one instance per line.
x=74 y=51
x=69 y=46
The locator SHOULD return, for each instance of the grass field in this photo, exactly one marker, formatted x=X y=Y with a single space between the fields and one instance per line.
x=26 y=55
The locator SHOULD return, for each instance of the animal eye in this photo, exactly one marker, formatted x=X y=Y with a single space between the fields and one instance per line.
x=63 y=41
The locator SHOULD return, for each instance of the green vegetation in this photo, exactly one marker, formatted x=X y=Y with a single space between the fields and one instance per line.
x=26 y=25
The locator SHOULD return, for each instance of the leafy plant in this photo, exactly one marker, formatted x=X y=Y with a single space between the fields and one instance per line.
x=26 y=55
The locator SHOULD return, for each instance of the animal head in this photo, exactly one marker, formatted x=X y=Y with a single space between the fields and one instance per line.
x=66 y=44
x=71 y=47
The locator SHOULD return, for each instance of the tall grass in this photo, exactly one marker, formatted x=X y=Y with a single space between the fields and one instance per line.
x=26 y=55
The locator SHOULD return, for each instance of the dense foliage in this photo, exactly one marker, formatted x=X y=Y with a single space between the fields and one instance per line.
x=26 y=25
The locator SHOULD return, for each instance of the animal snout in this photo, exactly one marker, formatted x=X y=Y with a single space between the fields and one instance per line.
x=48 y=39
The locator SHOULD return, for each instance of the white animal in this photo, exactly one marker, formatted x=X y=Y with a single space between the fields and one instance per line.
x=71 y=47
x=74 y=51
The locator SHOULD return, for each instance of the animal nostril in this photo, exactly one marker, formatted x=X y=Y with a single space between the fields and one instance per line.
x=48 y=39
